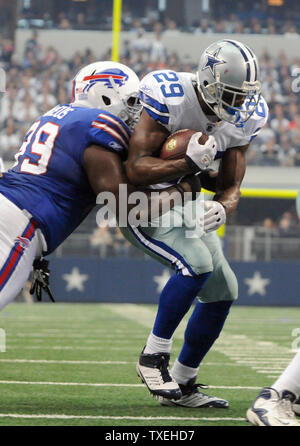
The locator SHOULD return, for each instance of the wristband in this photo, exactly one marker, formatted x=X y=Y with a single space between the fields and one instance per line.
x=180 y=190
x=216 y=199
x=222 y=204
x=193 y=166
x=195 y=190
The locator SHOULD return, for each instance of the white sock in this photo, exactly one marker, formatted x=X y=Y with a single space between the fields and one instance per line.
x=182 y=373
x=290 y=378
x=158 y=345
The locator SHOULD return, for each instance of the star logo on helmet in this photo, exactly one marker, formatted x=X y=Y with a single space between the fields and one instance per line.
x=212 y=61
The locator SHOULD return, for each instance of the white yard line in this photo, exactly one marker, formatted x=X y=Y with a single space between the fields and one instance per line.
x=269 y=367
x=63 y=361
x=269 y=361
x=54 y=383
x=103 y=417
x=262 y=355
x=51 y=383
x=67 y=347
x=70 y=336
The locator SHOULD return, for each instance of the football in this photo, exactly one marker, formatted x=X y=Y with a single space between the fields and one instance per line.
x=175 y=146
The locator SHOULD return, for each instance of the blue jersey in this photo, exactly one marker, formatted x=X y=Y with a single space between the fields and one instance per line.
x=48 y=178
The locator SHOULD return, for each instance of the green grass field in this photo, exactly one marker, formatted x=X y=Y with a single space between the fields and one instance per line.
x=74 y=364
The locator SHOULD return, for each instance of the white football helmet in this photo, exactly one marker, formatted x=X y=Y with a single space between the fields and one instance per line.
x=227 y=78
x=109 y=86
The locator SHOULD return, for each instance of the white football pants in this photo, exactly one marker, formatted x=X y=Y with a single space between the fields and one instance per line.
x=20 y=243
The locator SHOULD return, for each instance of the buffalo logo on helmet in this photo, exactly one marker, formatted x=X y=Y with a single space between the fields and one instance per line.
x=118 y=77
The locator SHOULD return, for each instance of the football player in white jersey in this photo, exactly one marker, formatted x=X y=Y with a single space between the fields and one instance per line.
x=278 y=404
x=224 y=101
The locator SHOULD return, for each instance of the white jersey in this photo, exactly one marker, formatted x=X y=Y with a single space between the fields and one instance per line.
x=170 y=98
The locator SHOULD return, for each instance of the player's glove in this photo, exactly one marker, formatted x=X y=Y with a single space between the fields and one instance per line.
x=200 y=156
x=40 y=280
x=214 y=215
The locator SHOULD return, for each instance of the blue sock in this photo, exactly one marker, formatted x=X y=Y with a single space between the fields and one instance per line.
x=203 y=328
x=175 y=300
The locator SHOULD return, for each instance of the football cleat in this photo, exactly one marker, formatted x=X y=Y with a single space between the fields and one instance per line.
x=296 y=406
x=153 y=371
x=271 y=409
x=191 y=397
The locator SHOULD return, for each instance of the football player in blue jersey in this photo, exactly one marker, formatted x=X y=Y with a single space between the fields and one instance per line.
x=224 y=101
x=69 y=155
x=2 y=91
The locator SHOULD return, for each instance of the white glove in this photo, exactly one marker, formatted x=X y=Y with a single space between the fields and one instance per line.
x=214 y=215
x=200 y=156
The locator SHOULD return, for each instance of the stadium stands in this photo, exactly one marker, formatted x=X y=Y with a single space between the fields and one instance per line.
x=42 y=79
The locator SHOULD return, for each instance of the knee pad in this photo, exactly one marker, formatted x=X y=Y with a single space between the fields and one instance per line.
x=222 y=285
x=196 y=255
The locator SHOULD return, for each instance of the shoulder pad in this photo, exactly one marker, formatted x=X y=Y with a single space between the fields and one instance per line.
x=244 y=133
x=152 y=98
x=162 y=94
x=257 y=120
x=110 y=132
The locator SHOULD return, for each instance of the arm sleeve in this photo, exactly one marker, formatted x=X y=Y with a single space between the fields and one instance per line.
x=110 y=132
x=153 y=100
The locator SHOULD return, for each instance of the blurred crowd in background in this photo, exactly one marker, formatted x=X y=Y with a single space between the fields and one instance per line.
x=218 y=16
x=281 y=228
x=278 y=229
x=42 y=79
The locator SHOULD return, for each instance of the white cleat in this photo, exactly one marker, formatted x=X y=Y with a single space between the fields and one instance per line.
x=271 y=409
x=296 y=406
x=192 y=398
x=153 y=371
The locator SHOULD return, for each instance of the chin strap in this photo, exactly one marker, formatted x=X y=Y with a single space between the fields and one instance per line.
x=40 y=280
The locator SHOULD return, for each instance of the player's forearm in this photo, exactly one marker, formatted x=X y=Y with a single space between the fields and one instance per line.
x=230 y=177
x=149 y=170
x=229 y=198
x=146 y=205
x=208 y=180
x=161 y=202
